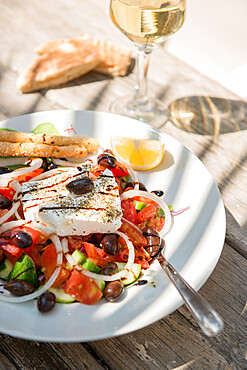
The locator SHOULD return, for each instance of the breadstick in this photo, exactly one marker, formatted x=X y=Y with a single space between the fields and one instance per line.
x=41 y=150
x=22 y=137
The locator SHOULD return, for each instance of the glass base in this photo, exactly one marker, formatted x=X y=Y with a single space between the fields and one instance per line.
x=151 y=112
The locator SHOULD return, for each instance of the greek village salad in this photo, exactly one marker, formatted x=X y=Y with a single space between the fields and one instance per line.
x=74 y=231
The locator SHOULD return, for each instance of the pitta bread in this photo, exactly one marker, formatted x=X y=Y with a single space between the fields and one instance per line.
x=114 y=60
x=59 y=65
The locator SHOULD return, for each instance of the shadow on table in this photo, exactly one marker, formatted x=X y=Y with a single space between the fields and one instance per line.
x=235 y=234
x=207 y=115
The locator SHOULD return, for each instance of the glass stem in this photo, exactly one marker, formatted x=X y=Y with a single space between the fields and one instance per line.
x=141 y=87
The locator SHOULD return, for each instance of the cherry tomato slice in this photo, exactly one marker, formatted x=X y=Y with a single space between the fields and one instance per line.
x=49 y=263
x=156 y=222
x=83 y=288
x=129 y=211
x=119 y=170
x=8 y=192
x=12 y=249
x=146 y=213
x=141 y=257
x=93 y=251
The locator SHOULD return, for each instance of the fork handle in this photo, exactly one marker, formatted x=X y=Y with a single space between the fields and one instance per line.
x=207 y=318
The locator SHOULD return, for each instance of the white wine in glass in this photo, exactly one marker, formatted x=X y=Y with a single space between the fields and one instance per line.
x=146 y=23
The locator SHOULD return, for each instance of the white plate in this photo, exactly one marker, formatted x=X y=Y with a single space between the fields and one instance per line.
x=194 y=242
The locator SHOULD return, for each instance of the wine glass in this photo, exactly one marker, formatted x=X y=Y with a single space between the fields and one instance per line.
x=146 y=23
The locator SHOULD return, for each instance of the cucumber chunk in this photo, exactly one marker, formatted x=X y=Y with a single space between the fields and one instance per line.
x=90 y=266
x=45 y=128
x=79 y=257
x=132 y=275
x=7 y=129
x=101 y=284
x=124 y=180
x=160 y=212
x=61 y=296
x=5 y=268
x=139 y=205
x=24 y=269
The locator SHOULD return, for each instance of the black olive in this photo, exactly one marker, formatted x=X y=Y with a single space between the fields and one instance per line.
x=44 y=164
x=21 y=239
x=110 y=268
x=153 y=240
x=113 y=290
x=81 y=186
x=46 y=302
x=107 y=160
x=109 y=151
x=153 y=250
x=159 y=193
x=51 y=166
x=109 y=244
x=112 y=265
x=107 y=271
x=132 y=185
x=5 y=202
x=4 y=170
x=150 y=231
x=142 y=186
x=19 y=287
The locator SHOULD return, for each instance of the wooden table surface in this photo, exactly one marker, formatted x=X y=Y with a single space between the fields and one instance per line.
x=175 y=342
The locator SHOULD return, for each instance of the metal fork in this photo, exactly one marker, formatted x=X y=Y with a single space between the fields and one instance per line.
x=207 y=318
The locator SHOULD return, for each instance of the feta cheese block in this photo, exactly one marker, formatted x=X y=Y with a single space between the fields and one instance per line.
x=50 y=202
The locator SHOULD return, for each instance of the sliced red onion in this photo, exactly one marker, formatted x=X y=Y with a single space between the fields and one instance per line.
x=156 y=199
x=93 y=275
x=18 y=217
x=11 y=224
x=50 y=173
x=15 y=204
x=12 y=299
x=66 y=252
x=175 y=213
x=133 y=175
x=10 y=212
x=131 y=223
x=53 y=172
x=18 y=193
x=65 y=163
x=74 y=162
x=131 y=171
x=4 y=161
x=34 y=225
x=34 y=165
x=17 y=188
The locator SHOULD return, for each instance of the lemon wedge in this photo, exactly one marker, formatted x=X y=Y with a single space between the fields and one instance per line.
x=140 y=154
